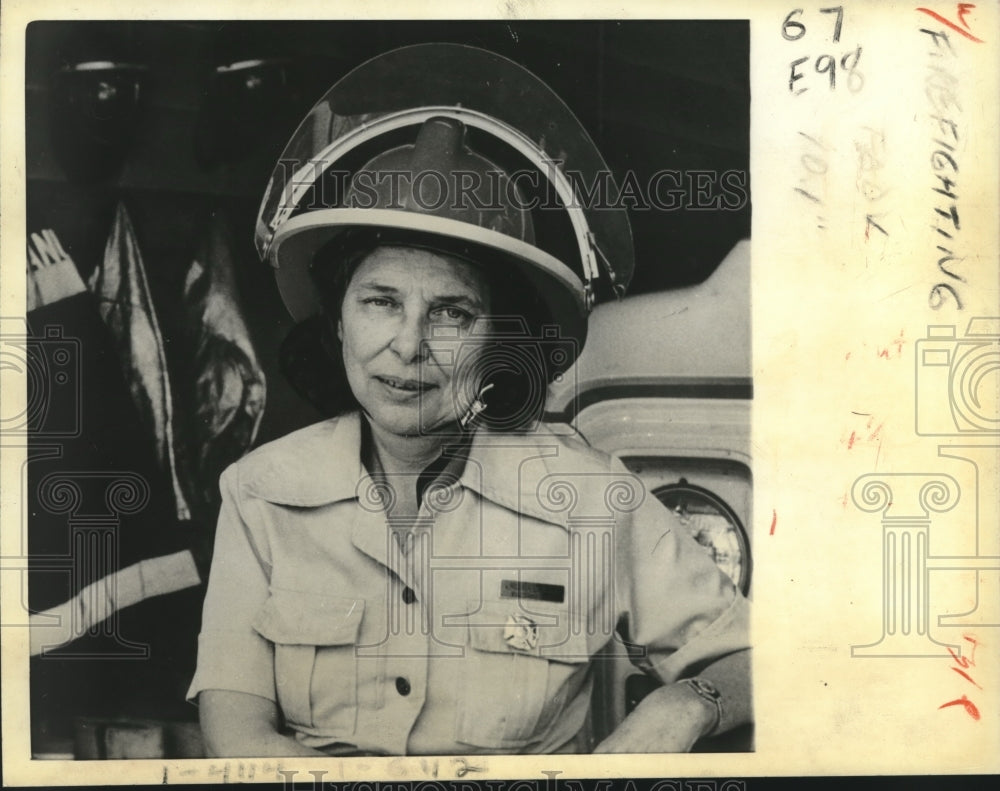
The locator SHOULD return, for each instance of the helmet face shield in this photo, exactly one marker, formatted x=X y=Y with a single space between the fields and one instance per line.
x=510 y=125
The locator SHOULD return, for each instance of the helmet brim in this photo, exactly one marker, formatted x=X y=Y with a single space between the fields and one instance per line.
x=298 y=239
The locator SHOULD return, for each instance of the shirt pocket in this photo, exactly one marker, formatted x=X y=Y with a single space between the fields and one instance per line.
x=315 y=663
x=520 y=671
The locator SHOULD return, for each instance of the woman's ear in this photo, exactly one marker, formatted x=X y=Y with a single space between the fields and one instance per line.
x=340 y=330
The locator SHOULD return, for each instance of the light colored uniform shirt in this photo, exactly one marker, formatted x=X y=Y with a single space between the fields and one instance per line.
x=471 y=629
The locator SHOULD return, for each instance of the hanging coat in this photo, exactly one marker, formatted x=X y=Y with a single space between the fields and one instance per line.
x=126 y=307
x=225 y=382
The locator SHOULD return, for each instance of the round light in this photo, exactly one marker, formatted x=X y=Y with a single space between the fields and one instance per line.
x=714 y=525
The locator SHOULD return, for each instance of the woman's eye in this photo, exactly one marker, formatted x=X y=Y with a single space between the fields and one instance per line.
x=455 y=315
x=379 y=302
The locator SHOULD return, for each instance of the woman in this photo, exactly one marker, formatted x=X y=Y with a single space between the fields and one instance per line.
x=434 y=570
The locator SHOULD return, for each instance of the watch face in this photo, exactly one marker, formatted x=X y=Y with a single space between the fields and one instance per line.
x=714 y=525
x=705 y=687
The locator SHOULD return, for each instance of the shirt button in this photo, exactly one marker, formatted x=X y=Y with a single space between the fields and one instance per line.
x=402 y=686
x=408 y=595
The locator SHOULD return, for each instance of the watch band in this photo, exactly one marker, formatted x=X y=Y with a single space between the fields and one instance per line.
x=707 y=691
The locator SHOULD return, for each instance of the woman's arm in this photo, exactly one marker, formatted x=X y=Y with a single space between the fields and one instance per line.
x=682 y=617
x=673 y=717
x=241 y=725
x=234 y=682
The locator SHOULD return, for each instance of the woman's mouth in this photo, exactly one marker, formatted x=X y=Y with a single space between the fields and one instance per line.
x=404 y=386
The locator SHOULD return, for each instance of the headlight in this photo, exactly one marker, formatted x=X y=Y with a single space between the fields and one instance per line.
x=714 y=525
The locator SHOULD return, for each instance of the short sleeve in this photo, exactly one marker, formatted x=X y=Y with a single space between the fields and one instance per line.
x=231 y=655
x=680 y=610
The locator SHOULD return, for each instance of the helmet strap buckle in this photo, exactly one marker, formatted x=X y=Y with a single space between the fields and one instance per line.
x=477 y=407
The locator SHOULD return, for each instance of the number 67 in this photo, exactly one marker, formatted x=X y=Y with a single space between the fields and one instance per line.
x=790 y=24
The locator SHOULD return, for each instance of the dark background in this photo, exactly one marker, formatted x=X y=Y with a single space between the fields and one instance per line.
x=653 y=95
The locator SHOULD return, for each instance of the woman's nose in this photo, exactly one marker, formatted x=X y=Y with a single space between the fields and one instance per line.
x=408 y=340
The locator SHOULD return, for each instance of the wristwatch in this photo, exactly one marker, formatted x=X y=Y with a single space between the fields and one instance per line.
x=707 y=691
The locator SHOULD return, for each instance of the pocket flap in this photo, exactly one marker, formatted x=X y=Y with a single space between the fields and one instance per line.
x=300 y=618
x=504 y=627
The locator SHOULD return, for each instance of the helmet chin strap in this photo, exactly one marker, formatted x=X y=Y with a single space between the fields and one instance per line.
x=477 y=407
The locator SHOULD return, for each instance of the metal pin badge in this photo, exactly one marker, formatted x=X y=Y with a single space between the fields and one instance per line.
x=520 y=632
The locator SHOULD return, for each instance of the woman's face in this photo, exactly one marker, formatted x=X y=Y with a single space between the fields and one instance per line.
x=398 y=298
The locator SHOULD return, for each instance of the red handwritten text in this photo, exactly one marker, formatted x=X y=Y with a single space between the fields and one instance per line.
x=964 y=663
x=963 y=9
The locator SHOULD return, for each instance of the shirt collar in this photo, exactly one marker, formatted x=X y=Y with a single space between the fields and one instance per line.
x=316 y=465
x=321 y=465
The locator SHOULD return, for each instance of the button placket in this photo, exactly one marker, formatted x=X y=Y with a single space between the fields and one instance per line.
x=402 y=682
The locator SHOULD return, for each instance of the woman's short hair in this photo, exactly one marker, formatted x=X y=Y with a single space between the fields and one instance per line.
x=520 y=361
